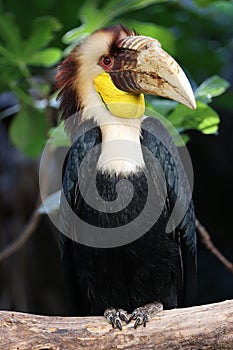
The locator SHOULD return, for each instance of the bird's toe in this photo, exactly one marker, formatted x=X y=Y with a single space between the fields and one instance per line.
x=143 y=314
x=115 y=316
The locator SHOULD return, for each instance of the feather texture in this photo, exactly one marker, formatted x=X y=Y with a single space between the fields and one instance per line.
x=158 y=266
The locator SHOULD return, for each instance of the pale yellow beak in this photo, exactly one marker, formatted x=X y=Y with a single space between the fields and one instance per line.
x=144 y=67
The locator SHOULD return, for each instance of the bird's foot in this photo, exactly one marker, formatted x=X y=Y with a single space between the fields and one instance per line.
x=143 y=314
x=115 y=316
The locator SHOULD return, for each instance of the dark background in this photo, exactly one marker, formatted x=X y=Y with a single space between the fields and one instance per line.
x=31 y=279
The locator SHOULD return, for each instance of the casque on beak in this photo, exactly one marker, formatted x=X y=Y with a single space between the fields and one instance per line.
x=143 y=67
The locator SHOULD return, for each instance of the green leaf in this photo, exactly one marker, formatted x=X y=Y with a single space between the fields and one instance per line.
x=103 y=16
x=28 y=131
x=204 y=3
x=9 y=75
x=58 y=137
x=204 y=118
x=75 y=34
x=23 y=96
x=162 y=106
x=89 y=22
x=9 y=33
x=120 y=7
x=19 y=52
x=42 y=34
x=8 y=55
x=100 y=18
x=178 y=139
x=45 y=58
x=211 y=87
x=160 y=33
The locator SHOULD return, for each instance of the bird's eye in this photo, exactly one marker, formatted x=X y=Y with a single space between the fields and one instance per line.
x=107 y=60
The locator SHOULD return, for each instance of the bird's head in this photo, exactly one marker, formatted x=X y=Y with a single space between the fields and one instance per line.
x=115 y=67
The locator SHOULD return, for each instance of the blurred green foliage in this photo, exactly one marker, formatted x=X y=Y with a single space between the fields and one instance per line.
x=34 y=36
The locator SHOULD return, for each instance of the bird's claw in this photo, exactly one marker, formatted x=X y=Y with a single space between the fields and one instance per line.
x=115 y=317
x=141 y=316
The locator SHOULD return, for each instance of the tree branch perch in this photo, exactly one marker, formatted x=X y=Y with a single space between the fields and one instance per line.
x=200 y=327
x=206 y=240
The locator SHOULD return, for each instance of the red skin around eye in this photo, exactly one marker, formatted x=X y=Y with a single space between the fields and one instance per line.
x=106 y=62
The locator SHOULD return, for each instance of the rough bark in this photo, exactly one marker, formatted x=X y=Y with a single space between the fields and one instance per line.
x=200 y=327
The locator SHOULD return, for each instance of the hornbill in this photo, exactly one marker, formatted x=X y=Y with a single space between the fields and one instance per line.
x=128 y=240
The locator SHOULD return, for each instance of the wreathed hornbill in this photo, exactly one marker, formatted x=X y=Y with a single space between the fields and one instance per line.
x=118 y=252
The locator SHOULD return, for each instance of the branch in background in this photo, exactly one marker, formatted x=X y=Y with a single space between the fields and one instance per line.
x=206 y=240
x=199 y=327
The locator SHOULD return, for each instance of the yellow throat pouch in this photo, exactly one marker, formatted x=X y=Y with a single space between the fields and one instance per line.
x=120 y=103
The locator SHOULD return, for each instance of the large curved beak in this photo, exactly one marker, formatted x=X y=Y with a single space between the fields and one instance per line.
x=142 y=66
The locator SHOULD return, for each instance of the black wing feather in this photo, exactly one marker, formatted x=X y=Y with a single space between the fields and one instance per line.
x=89 y=135
x=156 y=138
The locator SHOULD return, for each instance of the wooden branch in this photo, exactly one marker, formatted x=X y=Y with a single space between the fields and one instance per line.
x=199 y=327
x=206 y=240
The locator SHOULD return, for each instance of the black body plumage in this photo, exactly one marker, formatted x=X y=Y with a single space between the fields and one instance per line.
x=159 y=266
